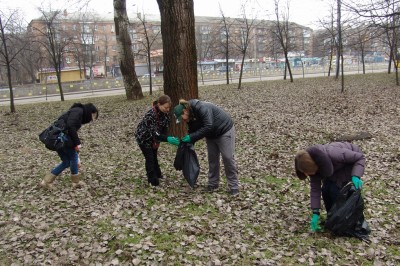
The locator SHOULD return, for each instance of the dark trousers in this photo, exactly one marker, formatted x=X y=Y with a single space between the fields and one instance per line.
x=153 y=170
x=330 y=191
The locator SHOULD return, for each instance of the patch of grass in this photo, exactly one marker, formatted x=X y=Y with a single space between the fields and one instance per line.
x=274 y=180
x=151 y=202
x=193 y=209
x=104 y=226
x=131 y=238
x=166 y=241
x=393 y=250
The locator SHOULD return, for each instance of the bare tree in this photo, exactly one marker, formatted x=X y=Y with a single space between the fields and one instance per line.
x=133 y=88
x=149 y=37
x=331 y=30
x=360 y=39
x=339 y=50
x=30 y=57
x=282 y=30
x=382 y=14
x=88 y=34
x=207 y=41
x=225 y=40
x=10 y=39
x=55 y=41
x=242 y=40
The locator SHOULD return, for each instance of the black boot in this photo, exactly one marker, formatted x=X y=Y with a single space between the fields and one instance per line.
x=153 y=180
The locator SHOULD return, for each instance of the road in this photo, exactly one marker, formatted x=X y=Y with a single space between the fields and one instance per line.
x=120 y=91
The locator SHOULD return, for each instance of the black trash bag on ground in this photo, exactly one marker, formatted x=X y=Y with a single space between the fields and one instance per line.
x=346 y=217
x=186 y=160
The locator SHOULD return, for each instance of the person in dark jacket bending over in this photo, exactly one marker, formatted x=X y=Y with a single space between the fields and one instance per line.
x=334 y=164
x=73 y=119
x=150 y=131
x=206 y=120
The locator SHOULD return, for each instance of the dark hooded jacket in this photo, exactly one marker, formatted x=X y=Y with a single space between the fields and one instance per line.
x=337 y=161
x=207 y=120
x=74 y=118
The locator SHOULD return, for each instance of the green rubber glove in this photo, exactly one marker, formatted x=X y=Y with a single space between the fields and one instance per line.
x=315 y=223
x=173 y=140
x=357 y=182
x=186 y=138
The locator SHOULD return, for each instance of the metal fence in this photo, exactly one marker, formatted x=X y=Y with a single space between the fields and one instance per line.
x=204 y=78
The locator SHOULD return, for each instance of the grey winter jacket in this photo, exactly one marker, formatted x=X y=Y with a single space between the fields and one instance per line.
x=337 y=161
x=207 y=120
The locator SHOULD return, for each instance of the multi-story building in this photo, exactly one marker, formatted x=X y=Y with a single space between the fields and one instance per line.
x=90 y=43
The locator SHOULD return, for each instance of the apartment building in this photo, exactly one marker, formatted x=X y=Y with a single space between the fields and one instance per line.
x=90 y=43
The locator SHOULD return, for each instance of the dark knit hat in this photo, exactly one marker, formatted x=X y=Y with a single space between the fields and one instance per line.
x=178 y=112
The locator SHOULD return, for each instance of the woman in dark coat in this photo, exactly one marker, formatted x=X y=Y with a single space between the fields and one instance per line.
x=334 y=165
x=206 y=120
x=150 y=131
x=78 y=115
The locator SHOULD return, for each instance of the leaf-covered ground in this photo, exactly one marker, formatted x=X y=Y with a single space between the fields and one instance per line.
x=118 y=219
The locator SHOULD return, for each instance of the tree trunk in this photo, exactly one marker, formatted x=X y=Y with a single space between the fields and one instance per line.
x=58 y=74
x=149 y=67
x=241 y=72
x=179 y=50
x=12 y=104
x=133 y=89
x=288 y=67
x=339 y=42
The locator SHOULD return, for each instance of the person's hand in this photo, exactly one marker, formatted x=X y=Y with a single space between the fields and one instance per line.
x=315 y=223
x=77 y=148
x=186 y=138
x=357 y=182
x=173 y=140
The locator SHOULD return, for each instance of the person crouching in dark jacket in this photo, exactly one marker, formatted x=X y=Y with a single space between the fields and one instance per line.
x=206 y=120
x=334 y=164
x=151 y=130
x=78 y=115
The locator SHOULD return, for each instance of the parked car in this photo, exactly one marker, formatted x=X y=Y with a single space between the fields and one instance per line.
x=6 y=89
x=148 y=75
x=223 y=69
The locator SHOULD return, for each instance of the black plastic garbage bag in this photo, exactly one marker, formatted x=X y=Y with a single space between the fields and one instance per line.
x=346 y=217
x=186 y=160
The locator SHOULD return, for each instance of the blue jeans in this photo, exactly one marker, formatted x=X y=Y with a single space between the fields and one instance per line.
x=69 y=158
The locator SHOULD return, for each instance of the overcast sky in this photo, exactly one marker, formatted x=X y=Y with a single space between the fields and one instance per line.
x=304 y=12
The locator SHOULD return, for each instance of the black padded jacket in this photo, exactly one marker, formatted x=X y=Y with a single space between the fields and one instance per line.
x=207 y=120
x=73 y=120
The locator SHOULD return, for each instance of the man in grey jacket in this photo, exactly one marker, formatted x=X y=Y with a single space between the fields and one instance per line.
x=206 y=120
x=334 y=164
